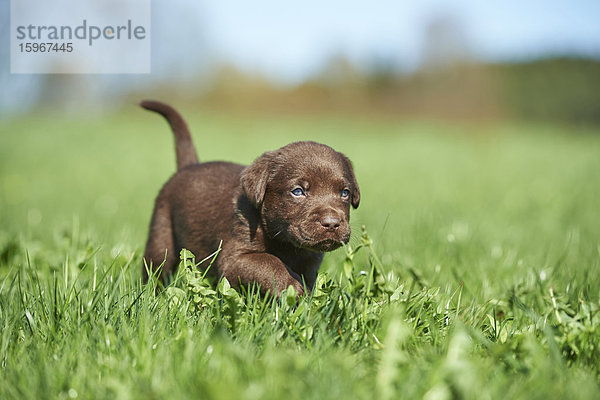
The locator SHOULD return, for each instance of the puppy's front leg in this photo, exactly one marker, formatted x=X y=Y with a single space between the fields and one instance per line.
x=262 y=268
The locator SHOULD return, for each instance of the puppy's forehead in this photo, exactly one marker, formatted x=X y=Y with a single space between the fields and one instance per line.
x=312 y=161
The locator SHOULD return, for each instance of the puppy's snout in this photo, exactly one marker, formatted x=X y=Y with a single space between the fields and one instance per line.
x=330 y=222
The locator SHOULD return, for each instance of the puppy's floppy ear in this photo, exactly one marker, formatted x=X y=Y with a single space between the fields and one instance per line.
x=354 y=190
x=255 y=177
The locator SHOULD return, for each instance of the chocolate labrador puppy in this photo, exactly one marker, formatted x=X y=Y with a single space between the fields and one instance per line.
x=275 y=217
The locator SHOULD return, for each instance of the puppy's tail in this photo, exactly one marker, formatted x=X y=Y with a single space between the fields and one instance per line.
x=184 y=146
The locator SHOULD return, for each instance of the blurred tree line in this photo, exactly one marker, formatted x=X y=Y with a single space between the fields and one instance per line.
x=560 y=90
x=564 y=90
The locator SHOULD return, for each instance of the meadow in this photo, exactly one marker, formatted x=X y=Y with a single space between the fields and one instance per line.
x=472 y=272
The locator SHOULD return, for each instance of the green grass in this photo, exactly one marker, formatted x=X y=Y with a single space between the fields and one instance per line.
x=477 y=276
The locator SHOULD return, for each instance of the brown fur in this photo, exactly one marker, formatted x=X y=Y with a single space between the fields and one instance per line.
x=271 y=236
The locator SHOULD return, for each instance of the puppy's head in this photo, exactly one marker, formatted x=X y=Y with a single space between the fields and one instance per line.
x=304 y=192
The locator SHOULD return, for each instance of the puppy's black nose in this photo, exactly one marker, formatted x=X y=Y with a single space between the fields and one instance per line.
x=330 y=223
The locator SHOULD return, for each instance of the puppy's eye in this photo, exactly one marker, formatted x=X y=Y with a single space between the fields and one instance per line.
x=345 y=193
x=298 y=192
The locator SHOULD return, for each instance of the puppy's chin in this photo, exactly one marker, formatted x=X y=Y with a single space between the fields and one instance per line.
x=324 y=245
x=326 y=242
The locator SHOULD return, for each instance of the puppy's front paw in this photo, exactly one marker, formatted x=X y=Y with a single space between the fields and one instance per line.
x=263 y=269
x=298 y=287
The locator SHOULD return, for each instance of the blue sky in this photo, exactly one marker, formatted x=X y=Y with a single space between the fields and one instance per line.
x=290 y=39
